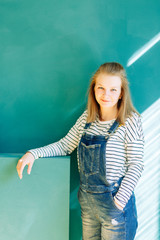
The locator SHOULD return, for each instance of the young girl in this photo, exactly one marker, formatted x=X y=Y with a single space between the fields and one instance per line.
x=110 y=143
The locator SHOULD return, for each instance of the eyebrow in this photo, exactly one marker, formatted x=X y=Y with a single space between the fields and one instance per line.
x=111 y=86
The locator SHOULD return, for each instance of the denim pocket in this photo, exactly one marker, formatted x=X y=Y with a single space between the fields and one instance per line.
x=89 y=158
x=113 y=203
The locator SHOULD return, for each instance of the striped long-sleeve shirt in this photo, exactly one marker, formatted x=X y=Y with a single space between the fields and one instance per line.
x=124 y=150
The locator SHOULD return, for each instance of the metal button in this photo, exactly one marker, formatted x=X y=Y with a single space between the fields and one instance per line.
x=116 y=185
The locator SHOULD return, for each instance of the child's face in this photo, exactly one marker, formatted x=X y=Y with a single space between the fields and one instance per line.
x=107 y=90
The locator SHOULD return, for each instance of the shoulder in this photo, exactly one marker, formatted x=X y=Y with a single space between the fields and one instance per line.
x=133 y=119
x=81 y=121
x=133 y=126
x=83 y=116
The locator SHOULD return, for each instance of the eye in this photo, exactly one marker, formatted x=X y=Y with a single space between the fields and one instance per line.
x=113 y=90
x=100 y=88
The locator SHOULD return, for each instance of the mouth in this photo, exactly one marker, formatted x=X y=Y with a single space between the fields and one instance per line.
x=106 y=101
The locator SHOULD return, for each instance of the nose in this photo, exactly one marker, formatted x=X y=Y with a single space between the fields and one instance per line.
x=106 y=92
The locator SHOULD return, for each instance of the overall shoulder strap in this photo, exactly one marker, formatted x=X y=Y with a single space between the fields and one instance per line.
x=113 y=127
x=87 y=125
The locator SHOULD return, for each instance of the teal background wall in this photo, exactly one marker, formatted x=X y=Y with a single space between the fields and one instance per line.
x=48 y=52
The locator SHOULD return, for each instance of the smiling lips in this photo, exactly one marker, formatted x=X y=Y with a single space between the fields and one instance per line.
x=105 y=100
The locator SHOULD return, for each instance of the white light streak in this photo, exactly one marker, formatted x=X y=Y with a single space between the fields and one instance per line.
x=147 y=190
x=143 y=50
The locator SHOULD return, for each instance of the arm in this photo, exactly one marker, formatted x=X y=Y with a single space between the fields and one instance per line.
x=134 y=160
x=61 y=148
x=65 y=145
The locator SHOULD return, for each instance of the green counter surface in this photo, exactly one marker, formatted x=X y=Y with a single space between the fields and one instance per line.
x=36 y=207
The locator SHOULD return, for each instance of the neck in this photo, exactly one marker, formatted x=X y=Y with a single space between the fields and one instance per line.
x=108 y=114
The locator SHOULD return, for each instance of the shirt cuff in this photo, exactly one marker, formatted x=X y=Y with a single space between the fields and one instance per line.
x=121 y=207
x=35 y=155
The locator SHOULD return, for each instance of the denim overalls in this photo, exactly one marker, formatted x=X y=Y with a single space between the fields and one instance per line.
x=101 y=219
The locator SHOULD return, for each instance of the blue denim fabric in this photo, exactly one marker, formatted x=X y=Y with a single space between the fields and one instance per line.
x=101 y=219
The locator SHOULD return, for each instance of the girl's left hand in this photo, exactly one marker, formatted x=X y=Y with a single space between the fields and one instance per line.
x=118 y=205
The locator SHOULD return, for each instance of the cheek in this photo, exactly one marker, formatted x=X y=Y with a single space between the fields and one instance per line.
x=116 y=96
x=97 y=95
x=99 y=92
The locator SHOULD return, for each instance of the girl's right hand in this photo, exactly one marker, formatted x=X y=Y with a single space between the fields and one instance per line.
x=27 y=159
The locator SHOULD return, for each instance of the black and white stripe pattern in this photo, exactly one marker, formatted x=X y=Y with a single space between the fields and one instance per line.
x=124 y=151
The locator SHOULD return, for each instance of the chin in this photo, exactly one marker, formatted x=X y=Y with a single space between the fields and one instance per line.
x=106 y=104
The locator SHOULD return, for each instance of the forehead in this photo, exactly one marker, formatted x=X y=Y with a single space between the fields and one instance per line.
x=108 y=80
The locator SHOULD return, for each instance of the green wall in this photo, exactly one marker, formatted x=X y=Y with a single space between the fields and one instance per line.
x=48 y=52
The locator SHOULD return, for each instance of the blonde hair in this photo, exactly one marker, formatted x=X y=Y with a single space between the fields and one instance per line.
x=125 y=106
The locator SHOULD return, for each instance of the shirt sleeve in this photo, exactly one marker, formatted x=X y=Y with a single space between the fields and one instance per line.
x=65 y=145
x=134 y=143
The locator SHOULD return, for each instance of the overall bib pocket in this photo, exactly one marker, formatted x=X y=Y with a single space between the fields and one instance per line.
x=89 y=158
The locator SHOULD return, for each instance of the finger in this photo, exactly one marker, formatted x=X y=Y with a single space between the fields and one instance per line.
x=21 y=168
x=19 y=164
x=29 y=168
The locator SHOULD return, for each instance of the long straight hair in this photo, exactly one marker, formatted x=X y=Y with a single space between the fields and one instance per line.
x=124 y=105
